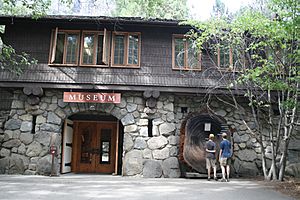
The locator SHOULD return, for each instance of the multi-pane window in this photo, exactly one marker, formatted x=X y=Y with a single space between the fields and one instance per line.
x=94 y=48
x=238 y=59
x=224 y=56
x=73 y=47
x=64 y=47
x=126 y=49
x=184 y=54
x=230 y=58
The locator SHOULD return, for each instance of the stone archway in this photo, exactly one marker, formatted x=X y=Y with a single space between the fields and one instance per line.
x=103 y=129
x=67 y=110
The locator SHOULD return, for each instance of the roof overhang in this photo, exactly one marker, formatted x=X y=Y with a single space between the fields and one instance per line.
x=5 y=19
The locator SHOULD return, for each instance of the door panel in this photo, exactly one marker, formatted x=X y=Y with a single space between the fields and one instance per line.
x=85 y=133
x=96 y=147
x=106 y=143
x=67 y=146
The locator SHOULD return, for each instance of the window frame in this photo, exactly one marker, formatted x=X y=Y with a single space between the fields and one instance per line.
x=53 y=44
x=230 y=59
x=230 y=66
x=126 y=49
x=105 y=48
x=186 y=54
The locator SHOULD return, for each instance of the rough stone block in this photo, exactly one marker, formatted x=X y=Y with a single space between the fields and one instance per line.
x=157 y=142
x=13 y=124
x=26 y=126
x=152 y=169
x=53 y=118
x=140 y=143
x=12 y=143
x=4 y=152
x=131 y=107
x=26 y=138
x=130 y=128
x=128 y=142
x=167 y=128
x=34 y=149
x=133 y=163
x=128 y=119
x=171 y=168
x=161 y=154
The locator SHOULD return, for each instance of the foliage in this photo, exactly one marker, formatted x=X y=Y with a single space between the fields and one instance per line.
x=9 y=58
x=16 y=62
x=169 y=9
x=34 y=8
x=267 y=42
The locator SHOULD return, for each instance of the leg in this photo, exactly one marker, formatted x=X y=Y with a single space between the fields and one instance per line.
x=215 y=173
x=223 y=165
x=208 y=172
x=208 y=167
x=223 y=171
x=228 y=171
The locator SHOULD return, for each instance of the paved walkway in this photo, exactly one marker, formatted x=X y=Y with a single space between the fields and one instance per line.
x=83 y=187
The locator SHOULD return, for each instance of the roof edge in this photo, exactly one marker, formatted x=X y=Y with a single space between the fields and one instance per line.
x=77 y=18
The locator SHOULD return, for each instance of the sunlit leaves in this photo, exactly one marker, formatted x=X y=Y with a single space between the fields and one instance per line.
x=167 y=9
x=13 y=61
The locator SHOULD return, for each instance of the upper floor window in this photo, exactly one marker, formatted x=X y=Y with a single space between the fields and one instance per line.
x=184 y=55
x=75 y=47
x=64 y=47
x=224 y=56
x=94 y=48
x=126 y=48
x=231 y=58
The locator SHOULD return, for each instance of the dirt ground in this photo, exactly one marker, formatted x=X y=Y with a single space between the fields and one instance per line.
x=291 y=186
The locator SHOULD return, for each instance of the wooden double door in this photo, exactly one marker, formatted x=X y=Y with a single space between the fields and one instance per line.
x=95 y=147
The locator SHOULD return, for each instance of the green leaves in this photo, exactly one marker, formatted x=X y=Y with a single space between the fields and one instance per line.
x=167 y=9
x=13 y=61
x=34 y=8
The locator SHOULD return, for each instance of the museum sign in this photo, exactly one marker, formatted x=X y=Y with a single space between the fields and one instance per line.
x=87 y=97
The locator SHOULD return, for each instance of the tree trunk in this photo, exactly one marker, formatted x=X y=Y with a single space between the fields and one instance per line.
x=283 y=160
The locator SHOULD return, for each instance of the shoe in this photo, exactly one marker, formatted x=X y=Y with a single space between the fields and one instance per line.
x=227 y=180
x=216 y=179
x=223 y=180
x=208 y=178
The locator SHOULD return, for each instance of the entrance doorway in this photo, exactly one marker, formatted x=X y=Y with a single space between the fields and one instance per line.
x=91 y=146
x=95 y=147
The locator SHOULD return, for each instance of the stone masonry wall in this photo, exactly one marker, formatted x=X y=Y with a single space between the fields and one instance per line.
x=29 y=131
x=25 y=142
x=246 y=157
x=247 y=154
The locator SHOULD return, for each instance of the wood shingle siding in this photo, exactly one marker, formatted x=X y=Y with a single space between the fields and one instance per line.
x=33 y=37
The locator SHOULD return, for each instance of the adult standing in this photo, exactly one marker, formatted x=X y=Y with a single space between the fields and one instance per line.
x=225 y=155
x=210 y=157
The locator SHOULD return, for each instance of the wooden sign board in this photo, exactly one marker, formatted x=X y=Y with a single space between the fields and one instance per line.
x=87 y=97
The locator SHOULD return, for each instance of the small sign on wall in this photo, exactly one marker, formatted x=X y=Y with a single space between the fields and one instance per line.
x=87 y=97
x=207 y=126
